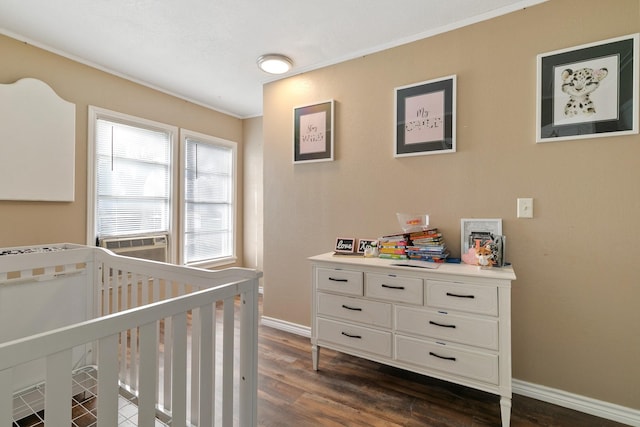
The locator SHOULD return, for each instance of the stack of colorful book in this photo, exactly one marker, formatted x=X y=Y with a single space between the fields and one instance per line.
x=427 y=245
x=393 y=246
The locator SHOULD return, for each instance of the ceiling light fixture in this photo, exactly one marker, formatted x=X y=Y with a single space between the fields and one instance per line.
x=274 y=63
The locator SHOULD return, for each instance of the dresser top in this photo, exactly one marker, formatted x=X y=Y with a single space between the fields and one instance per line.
x=503 y=273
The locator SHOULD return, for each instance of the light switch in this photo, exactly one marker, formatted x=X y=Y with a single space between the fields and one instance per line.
x=525 y=208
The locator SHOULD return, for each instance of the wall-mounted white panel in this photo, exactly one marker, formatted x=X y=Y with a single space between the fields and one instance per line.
x=37 y=143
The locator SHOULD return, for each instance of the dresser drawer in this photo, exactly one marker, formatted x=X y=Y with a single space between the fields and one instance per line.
x=357 y=337
x=343 y=281
x=452 y=360
x=480 y=332
x=394 y=288
x=355 y=309
x=463 y=297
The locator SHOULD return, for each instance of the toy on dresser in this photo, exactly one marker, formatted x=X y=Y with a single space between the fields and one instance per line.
x=481 y=255
x=484 y=255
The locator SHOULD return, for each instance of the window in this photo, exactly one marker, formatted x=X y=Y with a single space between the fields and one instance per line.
x=131 y=169
x=137 y=186
x=208 y=198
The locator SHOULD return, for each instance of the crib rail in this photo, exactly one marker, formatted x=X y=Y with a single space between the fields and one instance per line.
x=165 y=333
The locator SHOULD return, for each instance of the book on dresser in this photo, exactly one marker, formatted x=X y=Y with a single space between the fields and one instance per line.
x=451 y=323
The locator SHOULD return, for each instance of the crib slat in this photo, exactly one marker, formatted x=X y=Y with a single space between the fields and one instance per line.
x=168 y=362
x=145 y=290
x=102 y=290
x=57 y=393
x=148 y=372
x=214 y=363
x=133 y=343
x=155 y=296
x=248 y=359
x=124 y=304
x=194 y=374
x=6 y=397
x=108 y=381
x=206 y=366
x=167 y=292
x=108 y=293
x=227 y=362
x=179 y=370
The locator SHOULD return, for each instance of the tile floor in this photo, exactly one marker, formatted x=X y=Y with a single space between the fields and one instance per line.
x=28 y=413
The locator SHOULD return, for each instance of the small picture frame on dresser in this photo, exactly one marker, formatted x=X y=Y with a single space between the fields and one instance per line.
x=345 y=245
x=363 y=244
x=476 y=227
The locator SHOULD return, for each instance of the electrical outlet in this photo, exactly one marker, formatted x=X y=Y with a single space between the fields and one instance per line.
x=525 y=208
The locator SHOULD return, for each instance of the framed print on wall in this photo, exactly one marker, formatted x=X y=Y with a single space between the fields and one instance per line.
x=426 y=118
x=313 y=132
x=588 y=91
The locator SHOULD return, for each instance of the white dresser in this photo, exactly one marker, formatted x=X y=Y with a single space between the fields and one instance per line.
x=452 y=322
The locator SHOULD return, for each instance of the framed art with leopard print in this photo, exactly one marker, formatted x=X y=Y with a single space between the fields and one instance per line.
x=426 y=118
x=588 y=91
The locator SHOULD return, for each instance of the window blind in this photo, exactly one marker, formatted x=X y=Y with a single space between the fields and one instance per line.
x=133 y=179
x=208 y=201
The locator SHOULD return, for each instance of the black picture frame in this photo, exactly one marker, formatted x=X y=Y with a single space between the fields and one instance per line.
x=345 y=245
x=313 y=132
x=365 y=243
x=608 y=106
x=426 y=117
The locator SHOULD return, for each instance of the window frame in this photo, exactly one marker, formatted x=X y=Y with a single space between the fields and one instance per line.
x=96 y=113
x=220 y=142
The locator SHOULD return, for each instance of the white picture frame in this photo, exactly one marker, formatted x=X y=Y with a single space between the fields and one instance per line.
x=469 y=225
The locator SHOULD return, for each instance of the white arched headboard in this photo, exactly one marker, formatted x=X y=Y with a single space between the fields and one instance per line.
x=37 y=143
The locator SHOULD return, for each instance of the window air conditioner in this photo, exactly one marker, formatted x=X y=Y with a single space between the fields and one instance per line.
x=146 y=247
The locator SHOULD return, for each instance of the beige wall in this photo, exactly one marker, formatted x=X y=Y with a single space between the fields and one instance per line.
x=253 y=193
x=575 y=303
x=26 y=223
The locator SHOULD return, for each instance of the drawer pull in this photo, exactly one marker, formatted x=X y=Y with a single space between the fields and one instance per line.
x=392 y=287
x=431 y=353
x=351 y=308
x=449 y=294
x=431 y=322
x=333 y=279
x=352 y=336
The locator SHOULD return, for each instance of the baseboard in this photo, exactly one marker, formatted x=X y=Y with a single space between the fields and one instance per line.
x=283 y=325
x=576 y=402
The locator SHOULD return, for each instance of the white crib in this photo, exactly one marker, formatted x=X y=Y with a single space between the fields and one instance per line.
x=163 y=334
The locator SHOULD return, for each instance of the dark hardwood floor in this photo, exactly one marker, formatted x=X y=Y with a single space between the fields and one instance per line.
x=349 y=391
x=353 y=392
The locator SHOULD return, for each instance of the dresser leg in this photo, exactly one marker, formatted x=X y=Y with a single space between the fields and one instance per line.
x=505 y=411
x=315 y=354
